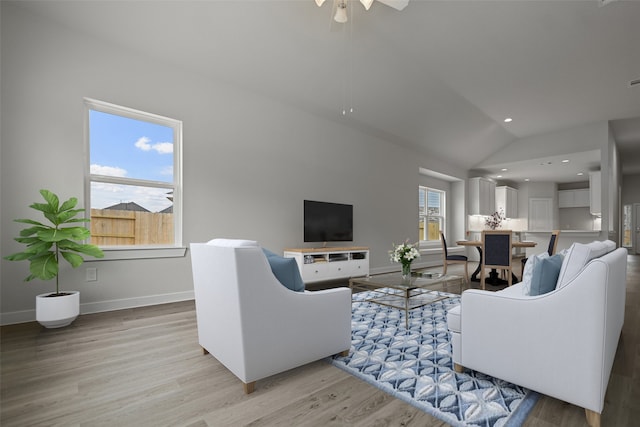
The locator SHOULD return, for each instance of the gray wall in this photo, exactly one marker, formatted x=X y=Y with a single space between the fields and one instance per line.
x=248 y=161
x=630 y=189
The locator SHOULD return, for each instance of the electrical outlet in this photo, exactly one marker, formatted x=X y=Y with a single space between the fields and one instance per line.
x=92 y=274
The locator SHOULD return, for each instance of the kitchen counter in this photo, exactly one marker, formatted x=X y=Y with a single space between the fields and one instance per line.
x=565 y=239
x=590 y=232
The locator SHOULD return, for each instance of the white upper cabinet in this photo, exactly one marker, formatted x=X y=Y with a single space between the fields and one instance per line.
x=482 y=196
x=596 y=193
x=507 y=200
x=574 y=198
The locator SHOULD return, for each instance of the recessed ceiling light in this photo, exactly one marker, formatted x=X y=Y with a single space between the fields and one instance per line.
x=565 y=161
x=508 y=120
x=580 y=174
x=499 y=176
x=504 y=169
x=527 y=179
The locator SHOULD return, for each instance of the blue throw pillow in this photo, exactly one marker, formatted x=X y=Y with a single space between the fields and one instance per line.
x=285 y=270
x=545 y=275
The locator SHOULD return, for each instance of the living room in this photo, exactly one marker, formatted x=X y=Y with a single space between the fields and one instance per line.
x=251 y=154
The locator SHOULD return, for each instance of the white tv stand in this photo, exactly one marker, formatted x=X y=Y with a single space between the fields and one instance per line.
x=317 y=265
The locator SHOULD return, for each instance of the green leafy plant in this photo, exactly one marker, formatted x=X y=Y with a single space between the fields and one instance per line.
x=45 y=243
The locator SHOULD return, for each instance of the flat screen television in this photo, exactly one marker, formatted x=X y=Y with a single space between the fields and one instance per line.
x=327 y=222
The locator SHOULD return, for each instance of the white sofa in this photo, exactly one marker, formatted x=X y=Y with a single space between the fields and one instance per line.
x=561 y=343
x=254 y=325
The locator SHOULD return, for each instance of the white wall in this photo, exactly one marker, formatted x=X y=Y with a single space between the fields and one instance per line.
x=248 y=161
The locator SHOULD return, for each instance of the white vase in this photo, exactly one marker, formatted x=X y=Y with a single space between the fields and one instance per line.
x=58 y=311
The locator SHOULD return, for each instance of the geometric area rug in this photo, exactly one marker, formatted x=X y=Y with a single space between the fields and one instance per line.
x=415 y=366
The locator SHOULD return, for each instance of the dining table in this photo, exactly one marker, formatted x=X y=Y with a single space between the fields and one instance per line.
x=494 y=278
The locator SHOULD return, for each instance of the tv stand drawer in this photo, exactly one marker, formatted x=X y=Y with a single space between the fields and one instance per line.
x=317 y=265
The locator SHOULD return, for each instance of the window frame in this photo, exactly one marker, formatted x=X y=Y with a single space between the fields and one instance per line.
x=426 y=216
x=138 y=251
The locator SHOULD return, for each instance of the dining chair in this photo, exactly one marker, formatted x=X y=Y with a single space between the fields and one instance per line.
x=496 y=249
x=551 y=250
x=453 y=259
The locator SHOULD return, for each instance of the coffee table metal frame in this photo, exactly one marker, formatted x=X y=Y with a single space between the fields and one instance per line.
x=392 y=290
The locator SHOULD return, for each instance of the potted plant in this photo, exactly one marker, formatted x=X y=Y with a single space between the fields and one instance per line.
x=45 y=243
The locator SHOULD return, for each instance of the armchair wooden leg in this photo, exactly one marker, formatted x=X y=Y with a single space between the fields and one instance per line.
x=458 y=368
x=344 y=353
x=249 y=387
x=205 y=351
x=593 y=418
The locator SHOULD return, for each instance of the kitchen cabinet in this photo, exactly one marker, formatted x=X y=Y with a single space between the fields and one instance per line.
x=507 y=200
x=482 y=196
x=574 y=198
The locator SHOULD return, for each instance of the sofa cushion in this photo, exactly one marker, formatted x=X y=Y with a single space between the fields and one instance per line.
x=528 y=271
x=453 y=319
x=233 y=243
x=545 y=275
x=286 y=271
x=578 y=256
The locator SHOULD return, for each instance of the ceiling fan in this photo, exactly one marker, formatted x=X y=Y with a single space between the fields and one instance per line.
x=340 y=7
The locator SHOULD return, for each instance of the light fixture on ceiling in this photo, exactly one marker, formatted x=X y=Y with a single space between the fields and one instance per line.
x=341 y=7
x=527 y=179
x=508 y=120
x=504 y=169
x=565 y=161
x=580 y=174
x=341 y=13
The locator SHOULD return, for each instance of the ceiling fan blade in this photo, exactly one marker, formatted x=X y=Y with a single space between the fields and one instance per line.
x=396 y=4
x=366 y=3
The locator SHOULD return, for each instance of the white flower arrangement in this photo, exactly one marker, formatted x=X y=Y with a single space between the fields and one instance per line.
x=404 y=253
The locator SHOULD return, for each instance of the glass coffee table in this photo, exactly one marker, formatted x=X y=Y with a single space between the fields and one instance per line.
x=393 y=290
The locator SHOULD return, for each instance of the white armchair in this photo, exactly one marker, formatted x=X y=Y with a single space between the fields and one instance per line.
x=254 y=325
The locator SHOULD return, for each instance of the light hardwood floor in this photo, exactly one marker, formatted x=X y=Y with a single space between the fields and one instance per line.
x=143 y=367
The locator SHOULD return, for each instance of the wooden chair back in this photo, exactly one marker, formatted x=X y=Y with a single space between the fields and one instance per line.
x=553 y=242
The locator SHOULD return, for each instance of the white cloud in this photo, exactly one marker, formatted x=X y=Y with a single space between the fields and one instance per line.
x=107 y=170
x=143 y=143
x=104 y=195
x=163 y=147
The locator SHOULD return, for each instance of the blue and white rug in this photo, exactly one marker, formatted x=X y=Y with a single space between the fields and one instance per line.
x=416 y=366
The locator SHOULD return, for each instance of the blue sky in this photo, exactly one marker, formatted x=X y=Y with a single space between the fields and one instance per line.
x=130 y=148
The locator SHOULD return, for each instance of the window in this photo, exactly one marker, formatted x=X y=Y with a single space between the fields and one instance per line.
x=134 y=177
x=431 y=205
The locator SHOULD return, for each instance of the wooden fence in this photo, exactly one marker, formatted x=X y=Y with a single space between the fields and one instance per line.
x=114 y=227
x=433 y=231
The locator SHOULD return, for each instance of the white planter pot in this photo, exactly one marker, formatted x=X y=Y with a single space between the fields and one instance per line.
x=56 y=312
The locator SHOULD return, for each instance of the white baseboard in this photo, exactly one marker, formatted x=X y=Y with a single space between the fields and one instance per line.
x=24 y=316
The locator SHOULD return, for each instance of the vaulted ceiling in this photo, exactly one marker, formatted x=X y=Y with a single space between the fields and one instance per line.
x=439 y=76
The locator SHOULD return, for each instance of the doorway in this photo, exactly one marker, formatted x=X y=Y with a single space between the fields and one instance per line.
x=636 y=228
x=627 y=227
